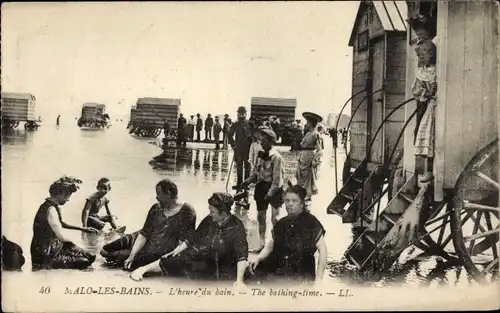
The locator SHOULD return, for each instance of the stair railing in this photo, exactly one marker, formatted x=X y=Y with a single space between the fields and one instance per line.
x=367 y=156
x=350 y=121
x=336 y=133
x=387 y=165
x=388 y=162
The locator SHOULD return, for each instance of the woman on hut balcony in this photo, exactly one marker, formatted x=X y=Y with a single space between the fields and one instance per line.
x=168 y=223
x=219 y=248
x=310 y=155
x=50 y=247
x=424 y=90
x=295 y=240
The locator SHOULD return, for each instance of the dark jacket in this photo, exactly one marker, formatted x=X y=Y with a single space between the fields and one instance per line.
x=240 y=138
x=209 y=123
x=199 y=124
x=217 y=129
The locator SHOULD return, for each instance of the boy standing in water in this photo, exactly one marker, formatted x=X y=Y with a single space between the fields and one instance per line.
x=269 y=174
x=217 y=131
x=90 y=214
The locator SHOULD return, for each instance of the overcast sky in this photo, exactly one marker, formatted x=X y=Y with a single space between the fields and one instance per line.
x=213 y=56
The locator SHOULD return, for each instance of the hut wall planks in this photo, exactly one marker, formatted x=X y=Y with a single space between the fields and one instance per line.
x=18 y=107
x=467 y=109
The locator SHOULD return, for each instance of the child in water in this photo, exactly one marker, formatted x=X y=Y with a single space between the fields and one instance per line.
x=94 y=203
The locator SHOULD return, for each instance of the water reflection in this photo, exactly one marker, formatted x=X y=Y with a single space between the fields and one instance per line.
x=183 y=159
x=173 y=160
x=16 y=136
x=215 y=165
x=124 y=159
x=196 y=162
x=206 y=163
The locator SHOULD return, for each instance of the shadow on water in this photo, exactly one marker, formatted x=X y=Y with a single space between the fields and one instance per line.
x=214 y=164
x=423 y=270
x=16 y=136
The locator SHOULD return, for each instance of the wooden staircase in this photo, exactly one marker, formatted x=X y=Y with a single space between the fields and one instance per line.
x=357 y=192
x=397 y=229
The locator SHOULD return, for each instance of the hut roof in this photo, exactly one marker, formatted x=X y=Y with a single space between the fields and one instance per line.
x=392 y=15
x=18 y=95
x=92 y=104
x=162 y=101
x=274 y=102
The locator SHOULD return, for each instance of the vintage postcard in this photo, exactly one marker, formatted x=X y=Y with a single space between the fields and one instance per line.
x=250 y=156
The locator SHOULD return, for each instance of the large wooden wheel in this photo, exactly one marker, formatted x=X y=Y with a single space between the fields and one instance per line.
x=436 y=233
x=475 y=214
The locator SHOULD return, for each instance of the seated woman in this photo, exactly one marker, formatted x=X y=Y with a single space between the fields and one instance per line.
x=50 y=247
x=12 y=255
x=296 y=238
x=168 y=223
x=219 y=248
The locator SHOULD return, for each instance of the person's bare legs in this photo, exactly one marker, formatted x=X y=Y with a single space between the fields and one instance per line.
x=261 y=218
x=95 y=222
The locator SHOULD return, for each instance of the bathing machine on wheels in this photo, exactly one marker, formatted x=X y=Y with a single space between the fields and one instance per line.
x=149 y=116
x=282 y=110
x=93 y=116
x=16 y=108
x=446 y=197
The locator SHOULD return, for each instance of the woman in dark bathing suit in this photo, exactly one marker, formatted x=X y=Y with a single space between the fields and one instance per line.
x=217 y=251
x=50 y=248
x=296 y=238
x=168 y=223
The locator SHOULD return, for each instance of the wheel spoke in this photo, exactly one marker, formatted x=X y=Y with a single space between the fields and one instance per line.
x=446 y=214
x=487 y=179
x=474 y=231
x=479 y=207
x=490 y=266
x=468 y=215
x=466 y=218
x=441 y=231
x=493 y=242
x=446 y=241
x=481 y=235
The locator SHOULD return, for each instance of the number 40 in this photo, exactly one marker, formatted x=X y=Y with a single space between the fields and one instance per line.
x=44 y=290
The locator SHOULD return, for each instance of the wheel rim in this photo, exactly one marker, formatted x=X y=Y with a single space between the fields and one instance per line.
x=475 y=215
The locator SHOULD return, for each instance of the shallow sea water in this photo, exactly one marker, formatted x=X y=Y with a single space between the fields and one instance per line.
x=31 y=161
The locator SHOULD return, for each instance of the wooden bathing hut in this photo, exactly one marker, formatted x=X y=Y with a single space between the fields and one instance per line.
x=148 y=116
x=261 y=108
x=452 y=72
x=16 y=108
x=378 y=40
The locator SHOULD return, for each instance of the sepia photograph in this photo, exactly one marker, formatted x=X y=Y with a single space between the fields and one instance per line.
x=250 y=156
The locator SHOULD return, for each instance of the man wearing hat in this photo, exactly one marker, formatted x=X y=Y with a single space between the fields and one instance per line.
x=226 y=125
x=310 y=155
x=240 y=139
x=296 y=135
x=269 y=176
x=181 y=131
x=190 y=124
x=199 y=127
x=217 y=131
x=209 y=123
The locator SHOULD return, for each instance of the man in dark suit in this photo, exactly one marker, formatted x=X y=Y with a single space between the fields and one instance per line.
x=199 y=127
x=240 y=139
